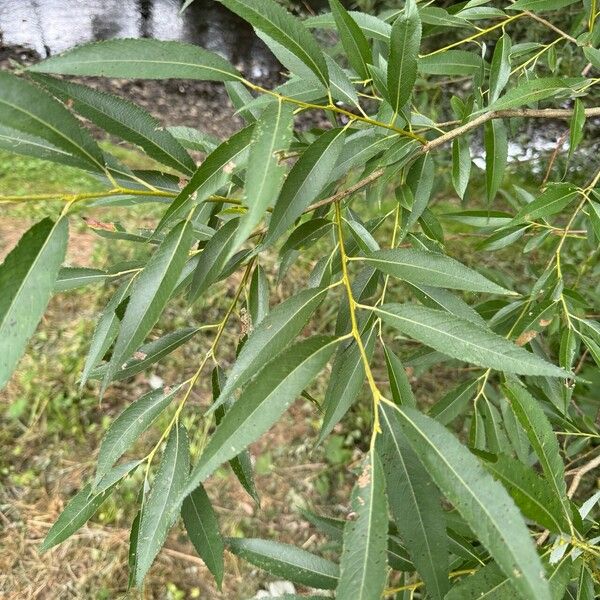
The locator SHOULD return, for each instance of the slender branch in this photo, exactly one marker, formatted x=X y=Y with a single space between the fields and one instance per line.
x=550 y=26
x=528 y=113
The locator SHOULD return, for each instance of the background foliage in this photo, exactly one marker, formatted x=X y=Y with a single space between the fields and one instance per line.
x=477 y=494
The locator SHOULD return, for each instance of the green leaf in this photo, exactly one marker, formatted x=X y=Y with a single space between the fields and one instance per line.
x=203 y=530
x=277 y=23
x=534 y=496
x=346 y=380
x=431 y=268
x=540 y=5
x=213 y=259
x=483 y=502
x=240 y=96
x=400 y=386
x=405 y=41
x=241 y=464
x=82 y=507
x=150 y=294
x=265 y=174
x=306 y=234
x=192 y=139
x=553 y=200
x=372 y=26
x=214 y=172
x=487 y=583
x=289 y=562
x=124 y=119
x=415 y=504
x=541 y=437
x=464 y=340
x=461 y=165
x=453 y=403
x=262 y=402
x=258 y=296
x=306 y=180
x=420 y=181
x=149 y=353
x=140 y=59
x=527 y=92
x=576 y=126
x=29 y=109
x=27 y=278
x=128 y=427
x=496 y=156
x=162 y=506
x=353 y=40
x=500 y=69
x=18 y=142
x=276 y=331
x=105 y=332
x=363 y=568
x=70 y=278
x=451 y=62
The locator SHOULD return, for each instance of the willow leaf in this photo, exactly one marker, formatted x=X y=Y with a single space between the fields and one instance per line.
x=464 y=340
x=483 y=502
x=150 y=294
x=262 y=402
x=431 y=268
x=27 y=278
x=123 y=119
x=162 y=506
x=289 y=562
x=140 y=59
x=306 y=180
x=272 y=19
x=28 y=108
x=363 y=562
x=405 y=41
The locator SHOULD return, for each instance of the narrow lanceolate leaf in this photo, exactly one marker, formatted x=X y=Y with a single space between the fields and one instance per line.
x=289 y=562
x=106 y=331
x=123 y=119
x=420 y=181
x=70 y=278
x=212 y=174
x=399 y=384
x=149 y=353
x=500 y=68
x=576 y=126
x=203 y=530
x=496 y=156
x=82 y=507
x=258 y=296
x=241 y=464
x=363 y=568
x=551 y=201
x=534 y=90
x=464 y=340
x=451 y=62
x=484 y=504
x=306 y=181
x=461 y=165
x=27 y=279
x=27 y=108
x=540 y=5
x=151 y=292
x=487 y=583
x=405 y=40
x=270 y=18
x=162 y=506
x=453 y=403
x=353 y=40
x=213 y=259
x=431 y=268
x=128 y=426
x=140 y=59
x=262 y=402
x=276 y=331
x=272 y=134
x=541 y=437
x=415 y=503
x=535 y=497
x=19 y=142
